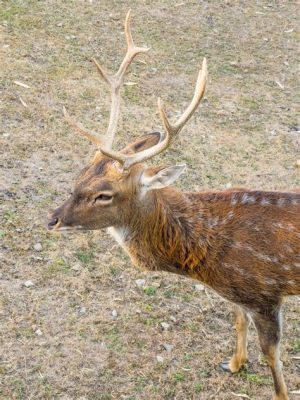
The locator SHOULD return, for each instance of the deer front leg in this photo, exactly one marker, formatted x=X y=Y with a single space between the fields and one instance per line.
x=269 y=332
x=240 y=356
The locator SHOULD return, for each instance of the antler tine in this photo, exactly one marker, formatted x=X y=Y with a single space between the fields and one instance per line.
x=92 y=136
x=171 y=129
x=198 y=94
x=132 y=51
x=101 y=71
x=115 y=82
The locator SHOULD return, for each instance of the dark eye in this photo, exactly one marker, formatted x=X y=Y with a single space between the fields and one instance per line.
x=103 y=197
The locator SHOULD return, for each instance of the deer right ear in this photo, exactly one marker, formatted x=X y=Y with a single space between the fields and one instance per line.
x=161 y=178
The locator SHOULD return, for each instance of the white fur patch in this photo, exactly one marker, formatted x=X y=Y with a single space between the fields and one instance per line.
x=281 y=202
x=68 y=228
x=260 y=256
x=213 y=222
x=119 y=234
x=265 y=202
x=248 y=199
x=234 y=200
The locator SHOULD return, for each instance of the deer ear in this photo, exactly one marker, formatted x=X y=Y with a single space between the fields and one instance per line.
x=143 y=143
x=161 y=178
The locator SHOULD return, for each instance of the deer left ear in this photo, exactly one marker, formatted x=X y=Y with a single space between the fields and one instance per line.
x=143 y=143
x=161 y=178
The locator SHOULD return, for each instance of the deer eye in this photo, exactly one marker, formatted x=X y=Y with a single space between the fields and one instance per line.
x=103 y=197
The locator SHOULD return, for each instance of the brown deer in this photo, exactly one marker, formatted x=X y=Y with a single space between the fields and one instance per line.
x=244 y=244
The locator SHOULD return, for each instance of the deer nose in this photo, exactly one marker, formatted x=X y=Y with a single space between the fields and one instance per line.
x=52 y=223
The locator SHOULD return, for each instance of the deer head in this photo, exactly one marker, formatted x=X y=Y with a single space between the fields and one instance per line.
x=115 y=184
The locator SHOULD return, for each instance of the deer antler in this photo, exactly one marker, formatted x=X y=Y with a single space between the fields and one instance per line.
x=171 y=129
x=114 y=82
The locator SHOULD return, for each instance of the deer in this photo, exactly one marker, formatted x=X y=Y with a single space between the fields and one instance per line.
x=243 y=244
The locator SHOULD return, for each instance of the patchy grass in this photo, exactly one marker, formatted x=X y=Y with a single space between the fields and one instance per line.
x=255 y=378
x=244 y=134
x=85 y=256
x=150 y=290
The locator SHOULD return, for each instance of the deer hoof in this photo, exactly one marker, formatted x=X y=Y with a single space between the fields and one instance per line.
x=225 y=366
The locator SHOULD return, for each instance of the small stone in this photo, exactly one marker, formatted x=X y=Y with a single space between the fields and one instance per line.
x=228 y=185
x=38 y=332
x=82 y=310
x=28 y=284
x=172 y=318
x=140 y=282
x=165 y=326
x=156 y=284
x=38 y=247
x=159 y=359
x=298 y=163
x=168 y=347
x=199 y=287
x=114 y=313
x=76 y=267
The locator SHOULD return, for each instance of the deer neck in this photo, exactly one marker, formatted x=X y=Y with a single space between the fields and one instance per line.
x=164 y=233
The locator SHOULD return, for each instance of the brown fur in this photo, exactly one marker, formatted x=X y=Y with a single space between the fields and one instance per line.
x=243 y=244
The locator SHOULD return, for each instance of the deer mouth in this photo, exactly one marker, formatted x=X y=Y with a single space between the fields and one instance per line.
x=56 y=225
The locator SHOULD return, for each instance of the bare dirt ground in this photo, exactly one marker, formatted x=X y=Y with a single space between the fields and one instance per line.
x=59 y=338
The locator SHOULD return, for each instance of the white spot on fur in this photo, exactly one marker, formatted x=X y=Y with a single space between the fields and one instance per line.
x=265 y=202
x=279 y=225
x=290 y=227
x=213 y=222
x=237 y=269
x=281 y=202
x=228 y=217
x=286 y=267
x=234 y=200
x=248 y=199
x=263 y=257
x=288 y=248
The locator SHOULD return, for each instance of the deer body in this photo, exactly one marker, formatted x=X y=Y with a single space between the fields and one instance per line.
x=231 y=241
x=243 y=244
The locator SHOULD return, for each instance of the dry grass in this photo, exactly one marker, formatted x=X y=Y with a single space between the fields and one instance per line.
x=245 y=133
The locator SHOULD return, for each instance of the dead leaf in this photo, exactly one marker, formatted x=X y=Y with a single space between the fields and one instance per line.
x=23 y=102
x=242 y=395
x=280 y=85
x=130 y=83
x=22 y=84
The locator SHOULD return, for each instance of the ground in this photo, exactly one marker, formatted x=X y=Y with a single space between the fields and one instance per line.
x=75 y=324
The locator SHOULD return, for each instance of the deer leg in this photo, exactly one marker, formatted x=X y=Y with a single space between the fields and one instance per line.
x=269 y=332
x=240 y=356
